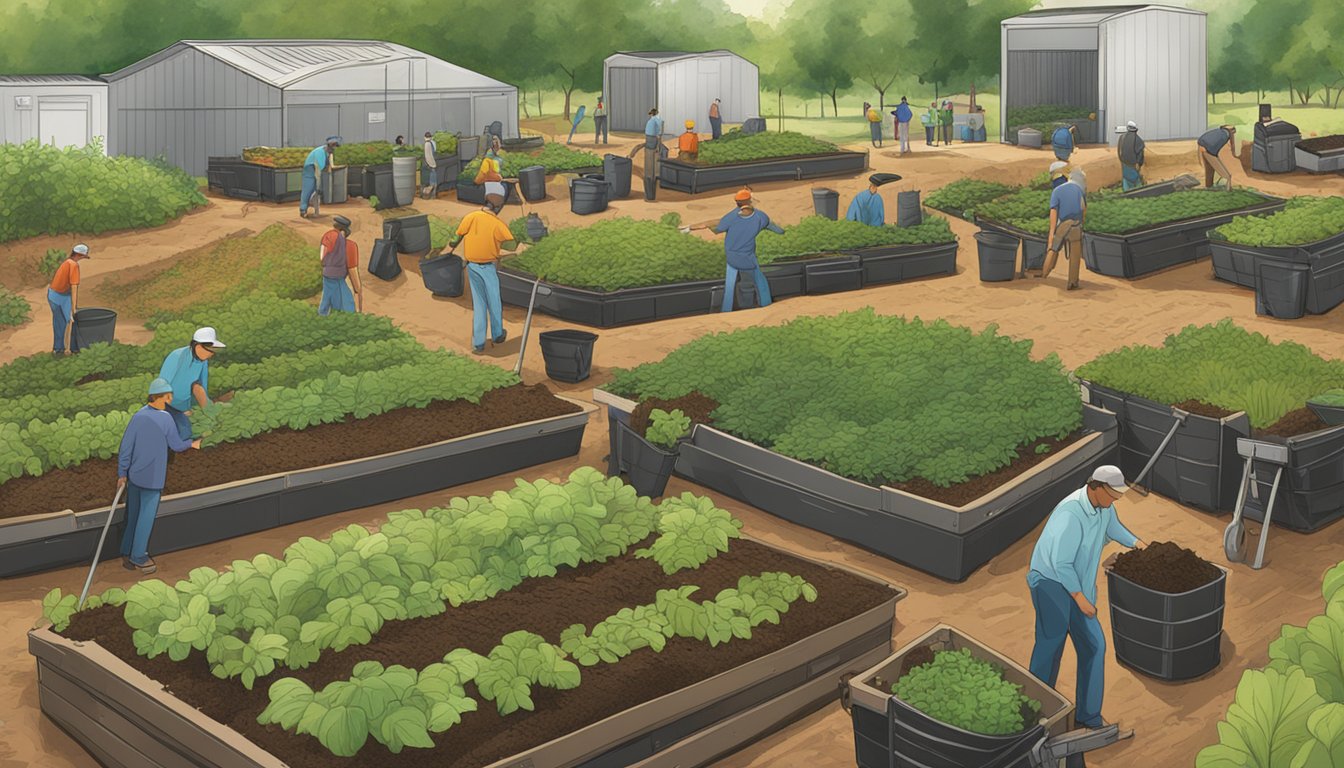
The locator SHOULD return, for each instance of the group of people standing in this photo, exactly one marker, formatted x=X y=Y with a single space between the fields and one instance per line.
x=937 y=122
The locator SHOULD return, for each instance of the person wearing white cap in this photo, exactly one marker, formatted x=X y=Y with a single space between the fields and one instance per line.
x=187 y=369
x=1068 y=208
x=63 y=297
x=1130 y=150
x=1059 y=173
x=1063 y=583
x=142 y=465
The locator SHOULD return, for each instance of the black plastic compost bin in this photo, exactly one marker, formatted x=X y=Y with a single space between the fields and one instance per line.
x=588 y=194
x=383 y=262
x=443 y=275
x=92 y=325
x=998 y=256
x=826 y=203
x=568 y=354
x=617 y=171
x=532 y=182
x=411 y=233
x=648 y=467
x=1166 y=636
x=1281 y=289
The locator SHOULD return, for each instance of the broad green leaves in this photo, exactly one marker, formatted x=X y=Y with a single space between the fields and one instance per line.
x=690 y=531
x=1325 y=748
x=958 y=689
x=519 y=662
x=737 y=147
x=14 y=309
x=1303 y=220
x=665 y=429
x=1266 y=725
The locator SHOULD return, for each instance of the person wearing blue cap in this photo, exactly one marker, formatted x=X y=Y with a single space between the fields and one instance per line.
x=142 y=465
x=320 y=159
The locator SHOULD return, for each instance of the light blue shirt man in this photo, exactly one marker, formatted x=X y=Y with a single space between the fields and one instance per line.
x=182 y=369
x=318 y=158
x=654 y=127
x=868 y=208
x=1069 y=550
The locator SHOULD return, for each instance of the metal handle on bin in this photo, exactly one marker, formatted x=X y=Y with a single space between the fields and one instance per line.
x=844 y=691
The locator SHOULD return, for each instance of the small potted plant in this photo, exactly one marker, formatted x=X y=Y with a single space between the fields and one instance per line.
x=649 y=458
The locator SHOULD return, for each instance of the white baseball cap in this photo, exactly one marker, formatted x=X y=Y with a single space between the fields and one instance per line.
x=1112 y=477
x=1057 y=166
x=1132 y=124
x=207 y=335
x=81 y=249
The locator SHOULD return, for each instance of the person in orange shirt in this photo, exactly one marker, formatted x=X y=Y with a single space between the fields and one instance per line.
x=63 y=296
x=689 y=144
x=340 y=262
x=484 y=235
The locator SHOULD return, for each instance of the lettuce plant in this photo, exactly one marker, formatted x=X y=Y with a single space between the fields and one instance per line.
x=520 y=661
x=59 y=608
x=691 y=531
x=958 y=689
x=665 y=429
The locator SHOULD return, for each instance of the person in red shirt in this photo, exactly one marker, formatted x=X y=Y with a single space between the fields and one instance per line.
x=63 y=296
x=340 y=262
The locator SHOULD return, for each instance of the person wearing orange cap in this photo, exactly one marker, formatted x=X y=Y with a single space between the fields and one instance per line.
x=688 y=146
x=740 y=228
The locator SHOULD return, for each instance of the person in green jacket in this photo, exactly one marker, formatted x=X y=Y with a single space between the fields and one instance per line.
x=930 y=121
x=945 y=121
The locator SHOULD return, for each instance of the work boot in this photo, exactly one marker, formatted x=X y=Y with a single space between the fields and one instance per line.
x=503 y=334
x=126 y=563
x=147 y=567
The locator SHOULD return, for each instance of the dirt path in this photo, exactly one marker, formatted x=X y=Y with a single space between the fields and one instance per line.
x=1173 y=721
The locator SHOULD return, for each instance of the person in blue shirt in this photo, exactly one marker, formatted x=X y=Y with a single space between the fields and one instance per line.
x=1068 y=207
x=903 y=115
x=1063 y=583
x=319 y=160
x=740 y=228
x=188 y=370
x=1062 y=141
x=142 y=465
x=653 y=129
x=1210 y=144
x=578 y=118
x=867 y=206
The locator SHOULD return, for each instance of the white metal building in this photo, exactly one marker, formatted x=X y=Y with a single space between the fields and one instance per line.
x=1146 y=63
x=682 y=85
x=197 y=99
x=64 y=110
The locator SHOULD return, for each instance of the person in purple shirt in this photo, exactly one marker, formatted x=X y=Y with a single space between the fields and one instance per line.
x=142 y=465
x=740 y=228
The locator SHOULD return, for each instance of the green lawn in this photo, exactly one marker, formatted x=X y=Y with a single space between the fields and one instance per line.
x=1314 y=118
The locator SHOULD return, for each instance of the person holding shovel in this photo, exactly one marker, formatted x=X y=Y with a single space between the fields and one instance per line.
x=188 y=370
x=340 y=262
x=484 y=235
x=740 y=228
x=63 y=297
x=142 y=464
x=1063 y=583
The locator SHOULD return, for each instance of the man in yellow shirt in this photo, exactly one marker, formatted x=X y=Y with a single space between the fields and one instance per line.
x=63 y=296
x=484 y=235
x=688 y=147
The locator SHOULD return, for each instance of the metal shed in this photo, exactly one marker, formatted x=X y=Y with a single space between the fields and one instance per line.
x=64 y=110
x=682 y=85
x=1146 y=63
x=202 y=98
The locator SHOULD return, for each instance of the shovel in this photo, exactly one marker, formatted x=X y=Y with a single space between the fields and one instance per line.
x=1180 y=419
x=98 y=553
x=537 y=288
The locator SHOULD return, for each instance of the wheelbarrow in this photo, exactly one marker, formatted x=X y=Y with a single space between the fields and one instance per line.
x=1234 y=536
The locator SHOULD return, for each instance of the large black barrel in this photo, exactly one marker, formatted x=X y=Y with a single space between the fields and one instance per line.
x=383 y=262
x=411 y=233
x=908 y=211
x=1170 y=637
x=442 y=275
x=826 y=203
x=532 y=183
x=92 y=325
x=617 y=170
x=568 y=354
x=998 y=256
x=1281 y=289
x=588 y=194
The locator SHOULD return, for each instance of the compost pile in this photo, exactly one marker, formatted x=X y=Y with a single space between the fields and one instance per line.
x=1167 y=567
x=1323 y=144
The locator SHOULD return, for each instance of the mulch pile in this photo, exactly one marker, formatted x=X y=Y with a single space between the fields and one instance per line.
x=1167 y=567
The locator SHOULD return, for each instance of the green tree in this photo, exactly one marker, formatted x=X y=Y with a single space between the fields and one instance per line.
x=938 y=48
x=818 y=33
x=877 y=54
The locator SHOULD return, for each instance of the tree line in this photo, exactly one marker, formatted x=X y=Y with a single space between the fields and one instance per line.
x=1277 y=45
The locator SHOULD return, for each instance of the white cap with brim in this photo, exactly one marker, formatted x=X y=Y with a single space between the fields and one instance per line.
x=81 y=249
x=207 y=335
x=160 y=386
x=1057 y=166
x=1131 y=125
x=1112 y=477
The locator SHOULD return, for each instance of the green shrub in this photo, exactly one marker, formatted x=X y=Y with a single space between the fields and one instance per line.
x=1128 y=214
x=1303 y=220
x=441 y=230
x=50 y=191
x=445 y=141
x=1222 y=365
x=1027 y=209
x=620 y=253
x=670 y=219
x=14 y=309
x=1047 y=113
x=874 y=398
x=960 y=690
x=665 y=429
x=51 y=261
x=818 y=234
x=555 y=158
x=965 y=194
x=737 y=147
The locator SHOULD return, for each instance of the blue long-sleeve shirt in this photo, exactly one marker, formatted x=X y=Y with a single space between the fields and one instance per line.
x=654 y=127
x=318 y=158
x=739 y=244
x=182 y=369
x=903 y=113
x=1069 y=550
x=868 y=208
x=143 y=456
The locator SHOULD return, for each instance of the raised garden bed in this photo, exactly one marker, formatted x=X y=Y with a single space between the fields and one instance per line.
x=947 y=527
x=1307 y=231
x=1311 y=493
x=686 y=699
x=1142 y=251
x=959 y=197
x=1320 y=155
x=693 y=178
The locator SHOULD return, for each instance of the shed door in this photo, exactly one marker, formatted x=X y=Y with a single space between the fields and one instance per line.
x=1056 y=78
x=488 y=110
x=634 y=91
x=310 y=124
x=63 y=122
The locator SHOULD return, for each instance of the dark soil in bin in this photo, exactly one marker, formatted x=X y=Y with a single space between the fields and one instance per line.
x=964 y=493
x=1293 y=423
x=696 y=406
x=87 y=485
x=1322 y=144
x=1167 y=567
x=547 y=607
x=1204 y=409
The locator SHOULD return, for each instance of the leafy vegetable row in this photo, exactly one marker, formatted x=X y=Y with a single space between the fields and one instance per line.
x=555 y=158
x=1129 y=214
x=964 y=194
x=1303 y=220
x=737 y=147
x=359 y=153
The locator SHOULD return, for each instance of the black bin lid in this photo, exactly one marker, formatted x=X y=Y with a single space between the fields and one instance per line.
x=1276 y=128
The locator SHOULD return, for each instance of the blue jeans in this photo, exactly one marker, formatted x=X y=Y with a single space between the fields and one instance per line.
x=485 y=302
x=730 y=287
x=309 y=187
x=1061 y=153
x=875 y=130
x=142 y=505
x=1057 y=617
x=1129 y=177
x=182 y=421
x=336 y=295
x=715 y=127
x=60 y=318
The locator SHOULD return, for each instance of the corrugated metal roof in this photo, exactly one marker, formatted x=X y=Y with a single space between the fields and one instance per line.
x=663 y=56
x=49 y=80
x=282 y=63
x=1085 y=15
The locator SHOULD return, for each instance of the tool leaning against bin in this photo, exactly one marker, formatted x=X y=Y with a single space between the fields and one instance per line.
x=1234 y=536
x=1152 y=460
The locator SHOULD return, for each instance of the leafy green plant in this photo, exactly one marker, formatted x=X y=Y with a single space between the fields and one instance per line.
x=520 y=661
x=1222 y=365
x=737 y=147
x=670 y=219
x=166 y=621
x=819 y=235
x=620 y=253
x=875 y=398
x=691 y=531
x=373 y=201
x=964 y=194
x=1325 y=748
x=14 y=309
x=248 y=659
x=59 y=608
x=1266 y=724
x=666 y=429
x=969 y=693
x=1317 y=649
x=1048 y=114
x=1303 y=220
x=1333 y=397
x=1027 y=209
x=51 y=261
x=617 y=636
x=46 y=190
x=555 y=158
x=1128 y=214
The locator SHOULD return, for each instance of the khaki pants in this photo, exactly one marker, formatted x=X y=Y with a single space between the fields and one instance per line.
x=1069 y=237
x=1212 y=165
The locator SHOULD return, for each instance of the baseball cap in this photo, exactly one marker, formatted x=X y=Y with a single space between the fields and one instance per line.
x=341 y=222
x=1057 y=167
x=1132 y=124
x=742 y=195
x=1112 y=477
x=334 y=140
x=690 y=123
x=207 y=335
x=81 y=249
x=160 y=386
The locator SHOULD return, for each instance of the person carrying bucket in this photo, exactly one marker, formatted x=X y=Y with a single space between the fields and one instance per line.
x=188 y=370
x=320 y=159
x=740 y=228
x=63 y=297
x=340 y=262
x=688 y=146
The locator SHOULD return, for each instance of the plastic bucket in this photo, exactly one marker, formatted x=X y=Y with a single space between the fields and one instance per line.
x=410 y=232
x=998 y=256
x=826 y=203
x=383 y=262
x=588 y=194
x=648 y=467
x=532 y=183
x=617 y=170
x=467 y=148
x=92 y=325
x=568 y=354
x=1281 y=289
x=378 y=183
x=403 y=178
x=443 y=275
x=908 y=211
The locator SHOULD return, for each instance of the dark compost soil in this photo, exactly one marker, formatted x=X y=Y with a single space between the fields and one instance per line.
x=917 y=657
x=89 y=484
x=1204 y=409
x=695 y=405
x=964 y=493
x=547 y=607
x=1166 y=567
x=1322 y=144
x=1293 y=423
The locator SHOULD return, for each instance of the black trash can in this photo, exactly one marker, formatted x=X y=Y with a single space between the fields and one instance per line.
x=826 y=202
x=588 y=194
x=411 y=233
x=1167 y=636
x=443 y=275
x=92 y=325
x=568 y=354
x=1281 y=289
x=378 y=183
x=532 y=183
x=617 y=170
x=647 y=467
x=383 y=262
x=908 y=211
x=998 y=256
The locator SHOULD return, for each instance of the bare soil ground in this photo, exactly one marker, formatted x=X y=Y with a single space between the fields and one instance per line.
x=1173 y=721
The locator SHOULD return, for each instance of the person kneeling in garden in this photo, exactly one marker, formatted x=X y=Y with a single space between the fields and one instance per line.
x=741 y=227
x=340 y=262
x=187 y=369
x=1063 y=583
x=142 y=464
x=485 y=234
